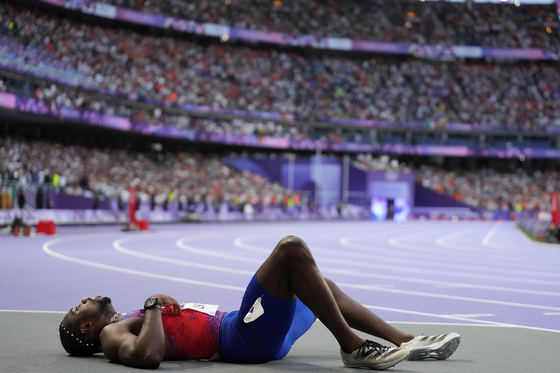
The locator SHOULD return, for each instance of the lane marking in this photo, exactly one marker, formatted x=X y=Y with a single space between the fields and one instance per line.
x=454 y=297
x=396 y=256
x=442 y=284
x=551 y=313
x=47 y=250
x=424 y=264
x=117 y=246
x=191 y=249
x=449 y=317
x=501 y=259
x=490 y=234
x=473 y=315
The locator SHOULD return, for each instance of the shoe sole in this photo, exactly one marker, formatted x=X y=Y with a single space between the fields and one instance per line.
x=440 y=350
x=383 y=366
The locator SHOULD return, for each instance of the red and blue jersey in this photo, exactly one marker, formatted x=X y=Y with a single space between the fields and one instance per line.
x=191 y=335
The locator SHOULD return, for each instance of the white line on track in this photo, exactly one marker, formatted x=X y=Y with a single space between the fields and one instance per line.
x=449 y=317
x=239 y=242
x=338 y=261
x=396 y=256
x=454 y=297
x=47 y=250
x=191 y=249
x=422 y=267
x=490 y=234
x=117 y=246
x=488 y=237
x=499 y=258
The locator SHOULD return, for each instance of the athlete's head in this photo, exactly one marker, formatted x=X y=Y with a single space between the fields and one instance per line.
x=82 y=325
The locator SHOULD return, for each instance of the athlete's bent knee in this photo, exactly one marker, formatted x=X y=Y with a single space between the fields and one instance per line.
x=294 y=247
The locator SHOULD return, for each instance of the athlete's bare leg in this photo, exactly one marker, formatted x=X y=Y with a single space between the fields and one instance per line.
x=291 y=271
x=362 y=319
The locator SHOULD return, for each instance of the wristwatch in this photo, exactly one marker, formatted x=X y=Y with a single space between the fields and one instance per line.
x=150 y=303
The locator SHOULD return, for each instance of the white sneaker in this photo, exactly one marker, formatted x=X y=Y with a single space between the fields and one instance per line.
x=374 y=356
x=438 y=347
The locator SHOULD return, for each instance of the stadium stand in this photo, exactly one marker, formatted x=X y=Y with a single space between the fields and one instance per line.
x=499 y=25
x=310 y=88
x=164 y=79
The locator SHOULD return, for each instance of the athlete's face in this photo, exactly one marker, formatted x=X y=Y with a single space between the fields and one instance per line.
x=89 y=308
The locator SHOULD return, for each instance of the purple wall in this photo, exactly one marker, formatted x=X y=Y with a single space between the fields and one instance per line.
x=424 y=197
x=62 y=201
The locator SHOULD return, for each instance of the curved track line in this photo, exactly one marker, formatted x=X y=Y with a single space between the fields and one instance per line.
x=540 y=245
x=47 y=250
x=486 y=323
x=410 y=292
x=395 y=243
x=399 y=278
x=454 y=297
x=117 y=246
x=191 y=249
x=497 y=258
x=345 y=242
x=398 y=310
x=401 y=268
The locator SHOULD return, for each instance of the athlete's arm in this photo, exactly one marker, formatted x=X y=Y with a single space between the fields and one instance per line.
x=146 y=350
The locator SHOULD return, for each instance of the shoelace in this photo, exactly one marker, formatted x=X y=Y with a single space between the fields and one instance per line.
x=368 y=347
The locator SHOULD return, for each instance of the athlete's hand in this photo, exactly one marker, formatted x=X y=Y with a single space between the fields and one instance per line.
x=166 y=300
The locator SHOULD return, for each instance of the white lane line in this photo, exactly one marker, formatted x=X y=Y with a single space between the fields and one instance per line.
x=191 y=249
x=397 y=291
x=551 y=313
x=501 y=259
x=540 y=273
x=117 y=246
x=473 y=315
x=423 y=267
x=435 y=283
x=541 y=245
x=242 y=245
x=491 y=234
x=444 y=242
x=481 y=323
x=453 y=297
x=47 y=250
x=449 y=317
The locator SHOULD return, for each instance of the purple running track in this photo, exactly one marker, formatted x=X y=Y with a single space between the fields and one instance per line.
x=485 y=273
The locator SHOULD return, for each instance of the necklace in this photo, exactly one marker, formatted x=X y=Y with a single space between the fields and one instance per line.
x=114 y=317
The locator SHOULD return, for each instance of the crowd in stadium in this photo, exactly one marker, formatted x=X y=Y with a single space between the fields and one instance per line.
x=404 y=21
x=65 y=96
x=491 y=190
x=169 y=71
x=486 y=188
x=195 y=177
x=313 y=88
x=107 y=173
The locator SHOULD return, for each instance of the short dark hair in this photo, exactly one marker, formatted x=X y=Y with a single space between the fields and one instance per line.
x=74 y=345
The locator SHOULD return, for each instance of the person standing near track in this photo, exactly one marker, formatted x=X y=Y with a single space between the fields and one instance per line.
x=280 y=304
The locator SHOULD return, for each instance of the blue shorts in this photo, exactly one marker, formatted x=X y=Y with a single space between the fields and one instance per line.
x=264 y=328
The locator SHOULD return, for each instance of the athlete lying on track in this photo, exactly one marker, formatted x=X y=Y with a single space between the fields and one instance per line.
x=280 y=304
